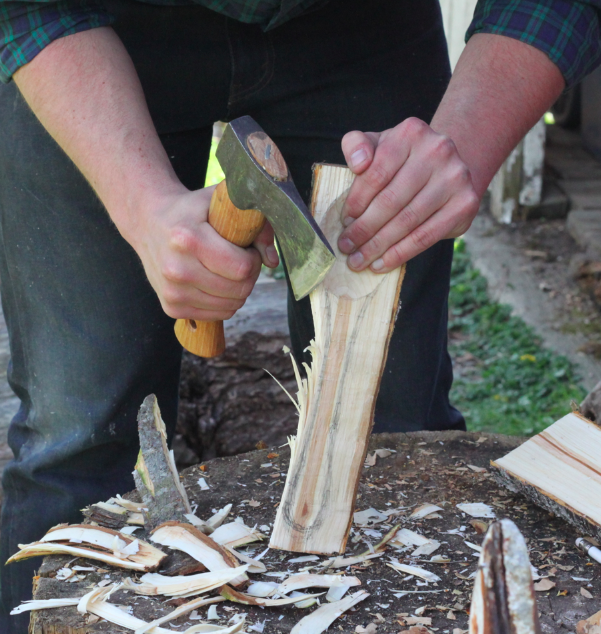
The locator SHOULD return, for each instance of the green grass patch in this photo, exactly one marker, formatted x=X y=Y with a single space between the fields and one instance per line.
x=511 y=384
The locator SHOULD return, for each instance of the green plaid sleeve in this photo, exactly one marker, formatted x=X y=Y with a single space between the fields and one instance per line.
x=567 y=31
x=26 y=28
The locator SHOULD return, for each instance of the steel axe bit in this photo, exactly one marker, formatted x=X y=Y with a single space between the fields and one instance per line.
x=259 y=182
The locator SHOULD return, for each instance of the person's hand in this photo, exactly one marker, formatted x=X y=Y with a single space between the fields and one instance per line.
x=412 y=189
x=196 y=273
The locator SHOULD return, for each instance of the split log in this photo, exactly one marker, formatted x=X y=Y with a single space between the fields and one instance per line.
x=503 y=600
x=156 y=477
x=559 y=470
x=354 y=316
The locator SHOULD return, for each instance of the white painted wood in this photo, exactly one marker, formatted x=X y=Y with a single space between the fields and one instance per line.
x=509 y=190
x=456 y=16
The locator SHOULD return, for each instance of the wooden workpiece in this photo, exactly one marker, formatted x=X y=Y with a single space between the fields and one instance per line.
x=427 y=468
x=560 y=470
x=354 y=316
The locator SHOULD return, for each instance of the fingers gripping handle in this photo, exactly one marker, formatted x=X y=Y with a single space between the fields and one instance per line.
x=241 y=227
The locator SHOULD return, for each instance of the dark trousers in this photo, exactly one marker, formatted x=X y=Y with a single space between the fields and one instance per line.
x=88 y=337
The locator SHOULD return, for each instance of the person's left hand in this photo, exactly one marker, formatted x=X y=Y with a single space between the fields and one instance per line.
x=412 y=189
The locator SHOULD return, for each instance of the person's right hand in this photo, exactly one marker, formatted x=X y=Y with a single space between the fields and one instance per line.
x=196 y=273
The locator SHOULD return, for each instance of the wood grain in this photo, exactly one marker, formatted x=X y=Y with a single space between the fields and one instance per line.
x=560 y=470
x=354 y=316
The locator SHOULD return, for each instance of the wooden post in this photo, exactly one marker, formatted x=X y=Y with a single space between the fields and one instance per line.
x=517 y=186
x=354 y=316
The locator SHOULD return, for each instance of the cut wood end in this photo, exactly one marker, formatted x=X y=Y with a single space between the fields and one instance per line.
x=503 y=598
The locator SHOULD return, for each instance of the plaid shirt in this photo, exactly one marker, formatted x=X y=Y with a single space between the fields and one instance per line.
x=568 y=31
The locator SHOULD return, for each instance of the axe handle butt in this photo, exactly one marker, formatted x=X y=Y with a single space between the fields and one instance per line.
x=241 y=227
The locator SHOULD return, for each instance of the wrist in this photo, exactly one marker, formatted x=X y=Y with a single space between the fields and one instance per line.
x=145 y=201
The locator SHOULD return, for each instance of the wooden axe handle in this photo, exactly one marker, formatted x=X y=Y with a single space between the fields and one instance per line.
x=241 y=227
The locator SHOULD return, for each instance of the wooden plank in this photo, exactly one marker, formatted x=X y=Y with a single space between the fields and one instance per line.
x=354 y=317
x=560 y=470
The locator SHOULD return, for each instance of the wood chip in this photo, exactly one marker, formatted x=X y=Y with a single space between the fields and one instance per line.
x=544 y=585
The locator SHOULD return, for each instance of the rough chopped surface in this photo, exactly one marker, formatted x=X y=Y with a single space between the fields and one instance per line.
x=157 y=488
x=427 y=468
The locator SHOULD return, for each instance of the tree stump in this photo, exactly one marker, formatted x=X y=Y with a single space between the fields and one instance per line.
x=230 y=403
x=445 y=469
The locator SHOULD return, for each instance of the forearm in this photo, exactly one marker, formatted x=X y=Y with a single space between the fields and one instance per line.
x=85 y=91
x=499 y=90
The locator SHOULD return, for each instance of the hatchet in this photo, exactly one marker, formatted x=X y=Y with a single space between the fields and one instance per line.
x=259 y=187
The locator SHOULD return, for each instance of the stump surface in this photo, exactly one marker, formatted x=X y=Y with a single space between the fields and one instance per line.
x=428 y=467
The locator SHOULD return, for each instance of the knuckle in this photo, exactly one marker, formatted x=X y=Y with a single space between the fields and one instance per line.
x=172 y=296
x=182 y=240
x=377 y=176
x=374 y=246
x=472 y=201
x=460 y=174
x=421 y=238
x=409 y=217
x=387 y=198
x=172 y=272
x=443 y=147
x=243 y=270
x=359 y=233
x=414 y=127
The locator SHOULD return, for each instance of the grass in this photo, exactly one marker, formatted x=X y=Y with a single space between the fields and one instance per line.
x=513 y=385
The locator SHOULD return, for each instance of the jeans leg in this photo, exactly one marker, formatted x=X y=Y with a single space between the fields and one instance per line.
x=361 y=66
x=89 y=340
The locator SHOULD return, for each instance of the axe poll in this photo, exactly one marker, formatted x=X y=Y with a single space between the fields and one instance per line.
x=257 y=187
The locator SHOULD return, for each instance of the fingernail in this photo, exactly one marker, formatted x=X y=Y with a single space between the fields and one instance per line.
x=346 y=245
x=378 y=264
x=347 y=221
x=272 y=254
x=356 y=259
x=358 y=157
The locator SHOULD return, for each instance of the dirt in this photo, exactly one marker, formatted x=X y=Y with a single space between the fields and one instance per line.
x=426 y=467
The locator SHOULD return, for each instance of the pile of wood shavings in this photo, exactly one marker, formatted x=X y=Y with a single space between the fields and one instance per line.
x=439 y=469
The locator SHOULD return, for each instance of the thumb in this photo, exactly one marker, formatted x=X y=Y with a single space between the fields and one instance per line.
x=359 y=149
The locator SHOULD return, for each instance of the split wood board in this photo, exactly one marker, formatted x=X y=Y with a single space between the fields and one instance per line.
x=560 y=470
x=354 y=315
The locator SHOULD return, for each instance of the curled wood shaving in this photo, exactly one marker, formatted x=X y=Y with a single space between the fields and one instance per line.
x=154 y=583
x=477 y=509
x=306 y=580
x=235 y=534
x=121 y=545
x=44 y=605
x=323 y=617
x=424 y=510
x=215 y=521
x=180 y=611
x=413 y=570
x=40 y=549
x=239 y=597
x=190 y=540
x=343 y=562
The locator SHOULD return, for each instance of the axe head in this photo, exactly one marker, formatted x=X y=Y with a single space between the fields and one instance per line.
x=257 y=178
